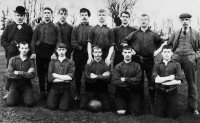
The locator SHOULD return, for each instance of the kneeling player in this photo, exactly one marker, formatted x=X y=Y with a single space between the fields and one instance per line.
x=166 y=75
x=97 y=78
x=21 y=69
x=60 y=74
x=126 y=77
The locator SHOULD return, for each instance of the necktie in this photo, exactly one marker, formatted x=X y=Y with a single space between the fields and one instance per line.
x=184 y=31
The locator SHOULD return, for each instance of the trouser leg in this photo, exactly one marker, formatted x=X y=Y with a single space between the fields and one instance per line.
x=120 y=101
x=104 y=98
x=172 y=104
x=133 y=103
x=28 y=96
x=189 y=67
x=13 y=98
x=148 y=67
x=160 y=104
x=65 y=100
x=42 y=69
x=52 y=100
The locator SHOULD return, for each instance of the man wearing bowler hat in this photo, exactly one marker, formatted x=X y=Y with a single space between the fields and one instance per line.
x=185 y=43
x=14 y=33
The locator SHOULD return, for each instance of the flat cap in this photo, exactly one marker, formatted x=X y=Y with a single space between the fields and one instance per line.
x=85 y=10
x=185 y=15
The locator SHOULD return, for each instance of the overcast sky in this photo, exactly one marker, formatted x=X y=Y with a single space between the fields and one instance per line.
x=157 y=9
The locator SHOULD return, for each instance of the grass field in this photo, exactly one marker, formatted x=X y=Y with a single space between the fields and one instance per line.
x=43 y=115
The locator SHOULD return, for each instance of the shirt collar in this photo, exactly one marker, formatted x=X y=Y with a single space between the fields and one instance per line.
x=102 y=24
x=123 y=62
x=46 y=23
x=122 y=25
x=86 y=23
x=19 y=23
x=149 y=28
x=62 y=23
x=18 y=57
x=66 y=59
x=162 y=62
x=187 y=30
x=98 y=61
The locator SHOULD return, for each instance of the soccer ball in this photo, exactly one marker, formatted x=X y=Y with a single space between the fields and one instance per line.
x=94 y=106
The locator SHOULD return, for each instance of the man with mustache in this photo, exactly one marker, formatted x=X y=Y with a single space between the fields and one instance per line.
x=79 y=44
x=185 y=43
x=14 y=33
x=45 y=38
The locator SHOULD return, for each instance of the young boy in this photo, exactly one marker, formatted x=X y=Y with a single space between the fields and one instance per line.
x=97 y=78
x=126 y=77
x=21 y=69
x=166 y=75
x=60 y=74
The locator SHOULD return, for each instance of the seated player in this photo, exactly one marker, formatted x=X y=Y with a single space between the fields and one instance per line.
x=126 y=77
x=166 y=75
x=21 y=69
x=60 y=75
x=97 y=78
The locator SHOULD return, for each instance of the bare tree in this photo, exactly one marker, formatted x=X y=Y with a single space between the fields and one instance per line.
x=117 y=6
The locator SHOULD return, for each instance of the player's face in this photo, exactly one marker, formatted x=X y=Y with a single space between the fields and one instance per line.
x=167 y=54
x=185 y=22
x=127 y=54
x=62 y=16
x=97 y=53
x=144 y=21
x=84 y=17
x=125 y=18
x=23 y=49
x=101 y=17
x=61 y=52
x=19 y=17
x=47 y=15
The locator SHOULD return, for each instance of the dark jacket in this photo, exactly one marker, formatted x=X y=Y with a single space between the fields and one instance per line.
x=9 y=33
x=144 y=43
x=66 y=31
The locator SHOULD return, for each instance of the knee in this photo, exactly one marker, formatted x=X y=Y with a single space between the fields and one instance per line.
x=10 y=103
x=29 y=103
x=66 y=108
x=51 y=107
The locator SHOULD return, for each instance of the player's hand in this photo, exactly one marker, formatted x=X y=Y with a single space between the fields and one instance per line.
x=107 y=61
x=171 y=77
x=122 y=79
x=53 y=56
x=16 y=72
x=133 y=52
x=31 y=70
x=93 y=76
x=106 y=73
x=89 y=60
x=165 y=43
x=33 y=56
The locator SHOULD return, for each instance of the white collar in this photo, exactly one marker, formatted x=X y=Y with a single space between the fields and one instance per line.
x=187 y=30
x=101 y=24
x=125 y=25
